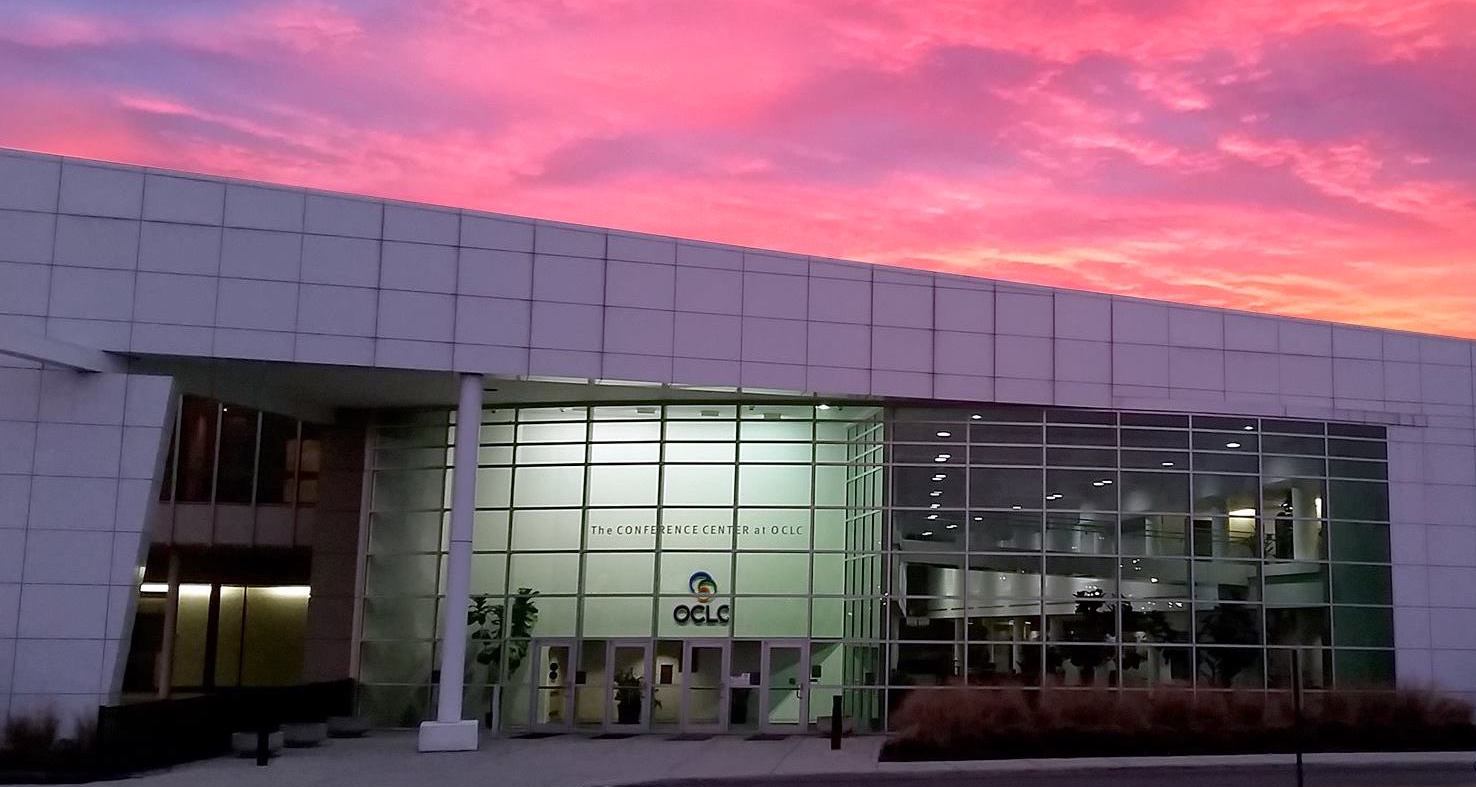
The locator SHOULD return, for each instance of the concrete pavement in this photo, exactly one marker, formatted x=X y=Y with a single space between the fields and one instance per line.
x=389 y=758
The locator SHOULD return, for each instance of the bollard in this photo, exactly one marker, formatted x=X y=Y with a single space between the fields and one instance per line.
x=1297 y=709
x=263 y=745
x=835 y=722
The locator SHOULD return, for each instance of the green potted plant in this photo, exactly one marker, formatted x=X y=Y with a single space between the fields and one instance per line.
x=628 y=691
x=495 y=633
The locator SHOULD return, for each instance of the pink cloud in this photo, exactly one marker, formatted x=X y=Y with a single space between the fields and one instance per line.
x=1306 y=158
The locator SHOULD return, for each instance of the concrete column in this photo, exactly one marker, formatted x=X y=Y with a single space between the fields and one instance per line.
x=450 y=732
x=171 y=625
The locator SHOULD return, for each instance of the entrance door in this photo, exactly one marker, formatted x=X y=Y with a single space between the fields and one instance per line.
x=705 y=685
x=553 y=685
x=629 y=687
x=785 y=686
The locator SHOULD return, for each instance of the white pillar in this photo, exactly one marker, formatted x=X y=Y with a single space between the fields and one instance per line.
x=450 y=732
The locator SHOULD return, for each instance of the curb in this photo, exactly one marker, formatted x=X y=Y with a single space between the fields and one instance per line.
x=930 y=770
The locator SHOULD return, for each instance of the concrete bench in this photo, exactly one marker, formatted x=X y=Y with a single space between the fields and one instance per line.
x=347 y=727
x=244 y=743
x=302 y=735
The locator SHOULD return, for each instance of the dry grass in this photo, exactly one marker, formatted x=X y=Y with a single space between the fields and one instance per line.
x=1015 y=722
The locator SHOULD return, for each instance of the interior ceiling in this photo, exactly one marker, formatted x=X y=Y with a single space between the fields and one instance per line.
x=314 y=391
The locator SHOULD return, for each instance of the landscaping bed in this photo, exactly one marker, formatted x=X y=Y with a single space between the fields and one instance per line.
x=987 y=723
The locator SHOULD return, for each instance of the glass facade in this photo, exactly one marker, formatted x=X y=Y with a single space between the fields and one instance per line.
x=229 y=454
x=722 y=566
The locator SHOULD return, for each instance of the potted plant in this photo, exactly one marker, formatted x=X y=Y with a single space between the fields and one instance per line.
x=628 y=691
x=495 y=633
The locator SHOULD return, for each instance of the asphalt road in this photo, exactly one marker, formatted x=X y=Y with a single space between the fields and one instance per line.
x=1393 y=776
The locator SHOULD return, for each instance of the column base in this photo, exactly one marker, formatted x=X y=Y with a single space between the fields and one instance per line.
x=447 y=736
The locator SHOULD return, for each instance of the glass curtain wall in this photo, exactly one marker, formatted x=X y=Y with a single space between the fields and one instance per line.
x=914 y=548
x=229 y=454
x=1076 y=548
x=608 y=536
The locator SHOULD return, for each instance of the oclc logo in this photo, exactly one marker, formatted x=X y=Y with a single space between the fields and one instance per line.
x=704 y=588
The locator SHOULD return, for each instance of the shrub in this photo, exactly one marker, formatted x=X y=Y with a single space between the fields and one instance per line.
x=1050 y=721
x=36 y=743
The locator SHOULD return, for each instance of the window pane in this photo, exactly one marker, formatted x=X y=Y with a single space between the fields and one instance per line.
x=1081 y=490
x=1080 y=435
x=1004 y=455
x=1360 y=542
x=1149 y=578
x=1156 y=534
x=1298 y=626
x=308 y=464
x=1357 y=449
x=1154 y=438
x=1358 y=584
x=196 y=450
x=919 y=487
x=1070 y=578
x=1155 y=492
x=237 y=454
x=1005 y=434
x=1004 y=531
x=1364 y=668
x=1358 y=500
x=274 y=477
x=1227 y=580
x=1228 y=624
x=1371 y=627
x=1083 y=533
x=1003 y=488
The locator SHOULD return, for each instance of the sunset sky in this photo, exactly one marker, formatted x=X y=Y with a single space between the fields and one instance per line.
x=1304 y=157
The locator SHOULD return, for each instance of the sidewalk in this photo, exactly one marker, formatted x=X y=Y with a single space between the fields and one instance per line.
x=389 y=758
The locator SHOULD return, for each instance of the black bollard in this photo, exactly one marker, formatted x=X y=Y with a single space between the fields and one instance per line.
x=263 y=745
x=835 y=722
x=1297 y=709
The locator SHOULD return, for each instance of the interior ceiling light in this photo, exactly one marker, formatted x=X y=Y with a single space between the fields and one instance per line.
x=823 y=406
x=1250 y=429
x=976 y=416
x=1168 y=464
x=931 y=517
x=1232 y=445
x=945 y=434
x=927 y=533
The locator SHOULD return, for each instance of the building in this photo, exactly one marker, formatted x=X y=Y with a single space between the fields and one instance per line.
x=714 y=487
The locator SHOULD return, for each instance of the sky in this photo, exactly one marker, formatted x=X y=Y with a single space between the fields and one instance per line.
x=1314 y=158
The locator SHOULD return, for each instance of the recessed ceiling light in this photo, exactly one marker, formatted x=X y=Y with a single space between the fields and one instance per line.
x=945 y=434
x=1250 y=429
x=951 y=526
x=1106 y=482
x=978 y=519
x=823 y=406
x=1017 y=508
x=1168 y=464
x=933 y=505
x=931 y=517
x=927 y=533
x=1232 y=445
x=939 y=477
x=1154 y=580
x=976 y=416
x=934 y=493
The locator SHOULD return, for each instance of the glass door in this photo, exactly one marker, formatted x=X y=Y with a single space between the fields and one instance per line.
x=629 y=689
x=784 y=686
x=553 y=685
x=705 y=686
